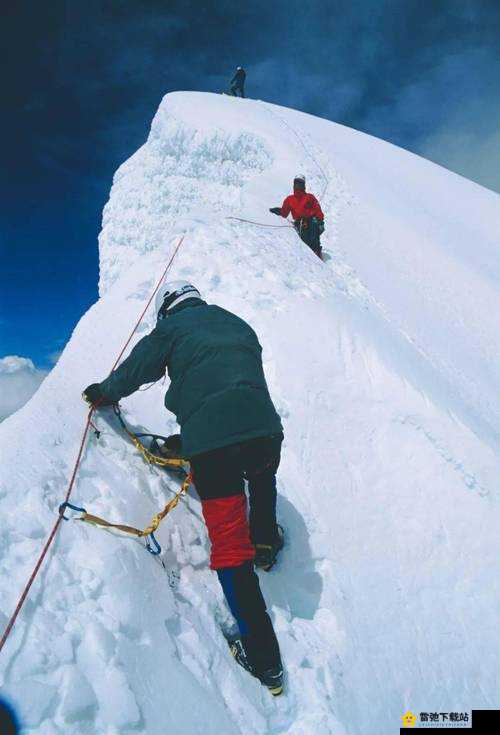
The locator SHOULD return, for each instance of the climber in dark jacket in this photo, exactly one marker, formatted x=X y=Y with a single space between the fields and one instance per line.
x=238 y=82
x=230 y=432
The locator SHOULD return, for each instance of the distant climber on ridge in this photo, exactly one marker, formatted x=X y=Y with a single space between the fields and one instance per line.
x=308 y=219
x=238 y=82
x=230 y=432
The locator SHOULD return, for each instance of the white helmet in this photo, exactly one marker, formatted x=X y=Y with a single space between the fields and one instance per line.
x=239 y=68
x=171 y=294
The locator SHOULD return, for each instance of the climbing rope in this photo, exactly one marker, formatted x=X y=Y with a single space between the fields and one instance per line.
x=52 y=534
x=76 y=466
x=306 y=149
x=141 y=317
x=173 y=462
x=152 y=544
x=259 y=224
x=150 y=457
x=308 y=153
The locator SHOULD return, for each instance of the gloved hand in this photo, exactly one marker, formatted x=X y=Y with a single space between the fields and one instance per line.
x=172 y=446
x=94 y=396
x=276 y=210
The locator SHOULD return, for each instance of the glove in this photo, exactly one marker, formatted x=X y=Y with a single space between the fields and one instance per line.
x=276 y=210
x=95 y=397
x=172 y=446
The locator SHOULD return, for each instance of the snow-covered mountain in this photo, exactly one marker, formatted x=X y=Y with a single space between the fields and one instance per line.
x=384 y=364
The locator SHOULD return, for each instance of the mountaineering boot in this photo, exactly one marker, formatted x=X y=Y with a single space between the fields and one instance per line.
x=271 y=678
x=266 y=554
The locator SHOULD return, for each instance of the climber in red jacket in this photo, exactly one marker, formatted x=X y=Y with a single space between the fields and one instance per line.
x=308 y=219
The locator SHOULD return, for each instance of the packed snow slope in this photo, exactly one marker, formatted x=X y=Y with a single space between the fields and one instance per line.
x=384 y=363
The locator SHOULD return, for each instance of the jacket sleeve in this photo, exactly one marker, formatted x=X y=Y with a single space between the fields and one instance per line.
x=146 y=363
x=316 y=210
x=286 y=208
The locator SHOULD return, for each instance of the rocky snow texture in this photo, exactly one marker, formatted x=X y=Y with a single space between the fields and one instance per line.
x=384 y=364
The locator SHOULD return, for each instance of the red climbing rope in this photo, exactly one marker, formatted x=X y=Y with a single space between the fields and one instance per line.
x=55 y=528
x=181 y=240
x=88 y=425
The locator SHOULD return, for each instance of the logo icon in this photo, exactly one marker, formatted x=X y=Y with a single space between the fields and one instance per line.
x=409 y=719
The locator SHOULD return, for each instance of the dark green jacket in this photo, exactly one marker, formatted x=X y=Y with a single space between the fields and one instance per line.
x=217 y=390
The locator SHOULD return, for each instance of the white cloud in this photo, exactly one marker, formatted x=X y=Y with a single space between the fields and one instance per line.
x=468 y=154
x=19 y=379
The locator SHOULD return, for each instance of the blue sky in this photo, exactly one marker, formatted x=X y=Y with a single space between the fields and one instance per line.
x=85 y=79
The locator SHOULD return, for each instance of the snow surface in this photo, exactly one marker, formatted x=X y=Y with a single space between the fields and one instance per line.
x=384 y=364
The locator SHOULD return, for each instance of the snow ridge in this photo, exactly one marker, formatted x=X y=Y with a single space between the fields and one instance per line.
x=383 y=599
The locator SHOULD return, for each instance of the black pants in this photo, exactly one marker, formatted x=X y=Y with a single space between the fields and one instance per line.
x=221 y=473
x=309 y=232
x=237 y=88
x=219 y=479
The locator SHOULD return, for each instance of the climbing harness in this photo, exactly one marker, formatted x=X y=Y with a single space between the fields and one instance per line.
x=86 y=429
